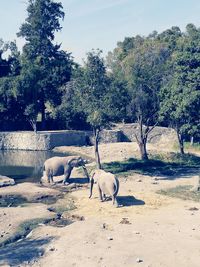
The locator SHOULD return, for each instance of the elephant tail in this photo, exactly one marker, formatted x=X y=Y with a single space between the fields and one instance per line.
x=43 y=167
x=116 y=187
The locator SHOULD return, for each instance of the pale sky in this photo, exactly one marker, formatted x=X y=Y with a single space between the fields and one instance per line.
x=102 y=23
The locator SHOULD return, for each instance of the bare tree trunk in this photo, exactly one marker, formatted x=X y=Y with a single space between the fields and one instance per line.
x=192 y=140
x=33 y=124
x=142 y=140
x=96 y=147
x=181 y=142
x=143 y=150
x=43 y=122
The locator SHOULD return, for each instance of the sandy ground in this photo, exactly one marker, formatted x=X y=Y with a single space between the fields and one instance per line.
x=112 y=152
x=149 y=230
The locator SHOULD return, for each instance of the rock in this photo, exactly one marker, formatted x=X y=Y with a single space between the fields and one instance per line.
x=193 y=208
x=77 y=217
x=6 y=181
x=136 y=232
x=154 y=182
x=139 y=180
x=104 y=226
x=125 y=221
x=138 y=260
x=110 y=238
x=71 y=186
x=41 y=224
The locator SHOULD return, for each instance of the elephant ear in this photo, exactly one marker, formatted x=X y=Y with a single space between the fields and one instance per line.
x=73 y=162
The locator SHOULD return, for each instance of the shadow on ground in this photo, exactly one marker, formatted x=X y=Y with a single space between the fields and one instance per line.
x=168 y=167
x=23 y=251
x=78 y=180
x=129 y=201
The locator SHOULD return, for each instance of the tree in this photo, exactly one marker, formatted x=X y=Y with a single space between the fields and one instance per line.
x=45 y=67
x=91 y=89
x=181 y=93
x=145 y=67
x=10 y=109
x=95 y=92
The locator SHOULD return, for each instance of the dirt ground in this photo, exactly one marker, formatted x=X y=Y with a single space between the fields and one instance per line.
x=148 y=229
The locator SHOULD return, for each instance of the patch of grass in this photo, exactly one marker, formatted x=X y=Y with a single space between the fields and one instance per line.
x=168 y=164
x=27 y=226
x=188 y=147
x=194 y=147
x=182 y=192
x=47 y=199
x=22 y=231
x=12 y=200
x=66 y=204
x=18 y=200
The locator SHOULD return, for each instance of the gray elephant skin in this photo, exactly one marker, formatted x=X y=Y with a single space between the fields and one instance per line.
x=57 y=166
x=107 y=184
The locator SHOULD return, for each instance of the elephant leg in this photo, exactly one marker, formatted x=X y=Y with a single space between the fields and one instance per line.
x=50 y=179
x=114 y=201
x=67 y=175
x=100 y=194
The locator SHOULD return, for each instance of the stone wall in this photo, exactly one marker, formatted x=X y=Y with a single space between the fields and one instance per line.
x=161 y=135
x=51 y=139
x=24 y=141
x=106 y=136
x=41 y=140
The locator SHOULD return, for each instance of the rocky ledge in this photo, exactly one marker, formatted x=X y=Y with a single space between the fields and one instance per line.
x=5 y=181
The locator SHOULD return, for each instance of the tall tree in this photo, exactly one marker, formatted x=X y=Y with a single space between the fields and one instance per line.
x=181 y=93
x=144 y=68
x=10 y=109
x=91 y=88
x=95 y=93
x=45 y=67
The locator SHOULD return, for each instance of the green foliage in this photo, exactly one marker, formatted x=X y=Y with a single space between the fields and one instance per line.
x=182 y=192
x=45 y=67
x=171 y=164
x=180 y=95
x=95 y=92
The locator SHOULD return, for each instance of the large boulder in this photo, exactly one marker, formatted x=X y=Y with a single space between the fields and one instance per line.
x=5 y=181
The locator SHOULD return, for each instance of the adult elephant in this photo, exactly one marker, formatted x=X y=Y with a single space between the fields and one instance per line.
x=57 y=166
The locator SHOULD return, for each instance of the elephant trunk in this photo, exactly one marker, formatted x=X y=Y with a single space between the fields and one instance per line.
x=91 y=187
x=86 y=173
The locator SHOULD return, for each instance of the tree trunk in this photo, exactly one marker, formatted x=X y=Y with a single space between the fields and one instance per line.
x=33 y=124
x=96 y=148
x=192 y=140
x=181 y=142
x=43 y=122
x=143 y=150
x=142 y=140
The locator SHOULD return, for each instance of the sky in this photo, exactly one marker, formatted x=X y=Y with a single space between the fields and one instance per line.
x=101 y=24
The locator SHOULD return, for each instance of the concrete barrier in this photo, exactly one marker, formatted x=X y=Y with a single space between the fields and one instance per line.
x=41 y=140
x=49 y=140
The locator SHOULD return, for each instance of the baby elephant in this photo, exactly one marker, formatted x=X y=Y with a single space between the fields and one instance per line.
x=107 y=183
